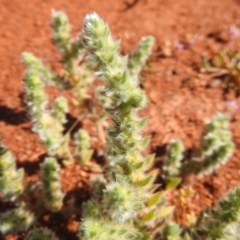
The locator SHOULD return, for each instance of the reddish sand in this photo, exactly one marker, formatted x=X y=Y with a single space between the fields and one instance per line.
x=182 y=98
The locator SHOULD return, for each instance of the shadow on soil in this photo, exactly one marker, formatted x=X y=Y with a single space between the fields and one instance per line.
x=9 y=116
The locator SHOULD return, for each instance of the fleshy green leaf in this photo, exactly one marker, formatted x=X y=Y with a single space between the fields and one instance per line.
x=173 y=182
x=164 y=212
x=153 y=200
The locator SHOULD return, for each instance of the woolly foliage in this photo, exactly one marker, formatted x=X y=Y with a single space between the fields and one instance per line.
x=82 y=143
x=172 y=231
x=50 y=178
x=76 y=74
x=11 y=179
x=130 y=187
x=172 y=162
x=44 y=72
x=141 y=54
x=217 y=145
x=41 y=234
x=18 y=219
x=222 y=221
x=48 y=123
x=102 y=229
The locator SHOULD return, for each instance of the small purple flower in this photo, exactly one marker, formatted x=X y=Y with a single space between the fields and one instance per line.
x=234 y=31
x=231 y=106
x=180 y=46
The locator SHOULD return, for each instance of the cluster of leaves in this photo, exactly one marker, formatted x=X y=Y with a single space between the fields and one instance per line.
x=216 y=148
x=221 y=222
x=217 y=145
x=48 y=122
x=126 y=205
x=173 y=163
x=225 y=64
x=128 y=201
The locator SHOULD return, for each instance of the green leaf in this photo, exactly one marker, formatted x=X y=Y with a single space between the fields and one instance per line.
x=143 y=122
x=153 y=200
x=149 y=179
x=86 y=155
x=149 y=216
x=145 y=142
x=149 y=161
x=173 y=182
x=139 y=165
x=164 y=212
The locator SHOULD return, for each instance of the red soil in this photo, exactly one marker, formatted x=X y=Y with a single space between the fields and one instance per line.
x=181 y=97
